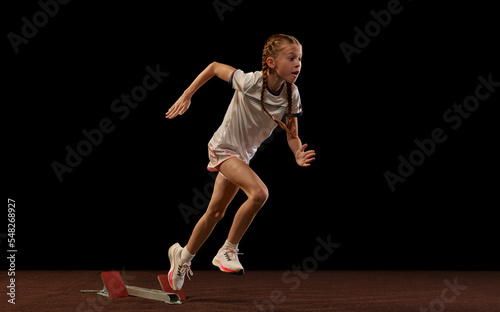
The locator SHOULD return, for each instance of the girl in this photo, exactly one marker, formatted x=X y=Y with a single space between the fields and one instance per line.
x=260 y=100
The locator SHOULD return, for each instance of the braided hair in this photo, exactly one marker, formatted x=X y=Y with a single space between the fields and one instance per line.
x=273 y=46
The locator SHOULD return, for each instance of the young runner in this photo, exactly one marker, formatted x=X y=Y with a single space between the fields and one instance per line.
x=259 y=103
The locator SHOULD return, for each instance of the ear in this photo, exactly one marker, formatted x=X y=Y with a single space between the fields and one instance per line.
x=270 y=62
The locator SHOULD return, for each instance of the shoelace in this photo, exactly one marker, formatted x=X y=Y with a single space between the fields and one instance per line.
x=234 y=254
x=185 y=269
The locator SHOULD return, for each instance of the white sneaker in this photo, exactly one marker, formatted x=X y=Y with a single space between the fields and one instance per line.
x=178 y=269
x=227 y=261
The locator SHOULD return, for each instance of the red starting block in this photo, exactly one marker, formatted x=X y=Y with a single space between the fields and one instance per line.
x=165 y=286
x=114 y=287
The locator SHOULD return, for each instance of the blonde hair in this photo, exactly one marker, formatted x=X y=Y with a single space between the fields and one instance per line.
x=274 y=45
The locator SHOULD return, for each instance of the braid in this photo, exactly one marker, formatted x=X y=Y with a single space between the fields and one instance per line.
x=289 y=98
x=265 y=70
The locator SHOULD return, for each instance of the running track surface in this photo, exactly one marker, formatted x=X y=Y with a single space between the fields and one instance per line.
x=358 y=291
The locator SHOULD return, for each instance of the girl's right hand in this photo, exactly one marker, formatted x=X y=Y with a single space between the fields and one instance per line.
x=179 y=107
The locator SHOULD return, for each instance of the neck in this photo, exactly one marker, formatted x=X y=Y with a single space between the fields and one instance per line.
x=274 y=81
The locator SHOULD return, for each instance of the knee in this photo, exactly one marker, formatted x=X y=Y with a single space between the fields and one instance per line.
x=260 y=196
x=215 y=215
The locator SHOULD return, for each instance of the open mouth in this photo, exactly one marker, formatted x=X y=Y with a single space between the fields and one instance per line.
x=295 y=73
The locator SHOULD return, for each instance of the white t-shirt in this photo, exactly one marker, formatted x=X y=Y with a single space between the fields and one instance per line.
x=246 y=125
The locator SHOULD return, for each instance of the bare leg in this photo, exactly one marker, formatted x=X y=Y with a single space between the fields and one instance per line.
x=223 y=194
x=240 y=174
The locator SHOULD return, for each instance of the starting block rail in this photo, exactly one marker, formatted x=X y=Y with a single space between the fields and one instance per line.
x=114 y=287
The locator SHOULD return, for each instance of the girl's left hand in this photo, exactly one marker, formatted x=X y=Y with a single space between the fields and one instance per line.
x=304 y=158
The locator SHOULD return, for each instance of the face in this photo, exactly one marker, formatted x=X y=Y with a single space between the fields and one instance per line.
x=288 y=63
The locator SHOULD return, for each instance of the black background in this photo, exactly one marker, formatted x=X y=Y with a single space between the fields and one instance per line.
x=120 y=206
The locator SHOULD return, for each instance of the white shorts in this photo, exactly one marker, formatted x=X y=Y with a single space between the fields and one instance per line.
x=217 y=156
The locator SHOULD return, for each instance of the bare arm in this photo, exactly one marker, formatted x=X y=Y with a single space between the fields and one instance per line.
x=214 y=69
x=302 y=157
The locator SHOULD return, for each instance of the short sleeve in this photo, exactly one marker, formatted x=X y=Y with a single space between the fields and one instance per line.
x=296 y=103
x=241 y=81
